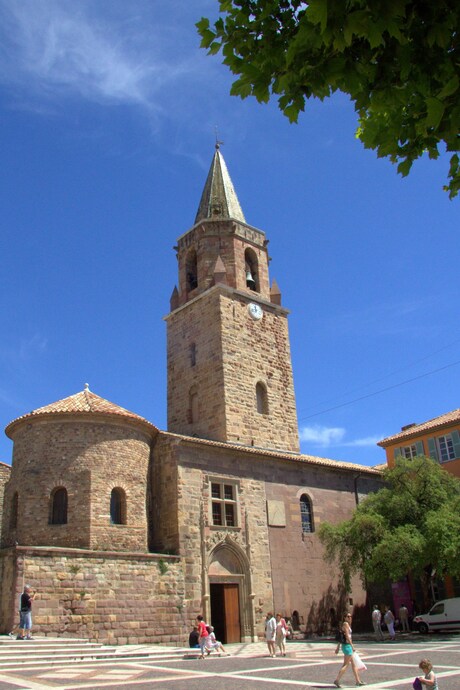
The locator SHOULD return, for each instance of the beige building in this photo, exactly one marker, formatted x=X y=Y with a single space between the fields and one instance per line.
x=128 y=532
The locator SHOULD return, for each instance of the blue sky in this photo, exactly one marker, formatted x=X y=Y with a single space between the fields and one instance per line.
x=108 y=113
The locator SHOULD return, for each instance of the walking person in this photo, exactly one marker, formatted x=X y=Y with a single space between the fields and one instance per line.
x=390 y=622
x=25 y=613
x=377 y=623
x=347 y=649
x=280 y=635
x=270 y=633
x=202 y=634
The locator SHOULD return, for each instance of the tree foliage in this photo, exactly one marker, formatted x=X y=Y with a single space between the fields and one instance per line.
x=410 y=525
x=398 y=60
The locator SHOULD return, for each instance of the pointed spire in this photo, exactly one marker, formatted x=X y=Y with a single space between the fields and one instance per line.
x=275 y=293
x=220 y=272
x=219 y=198
x=174 y=299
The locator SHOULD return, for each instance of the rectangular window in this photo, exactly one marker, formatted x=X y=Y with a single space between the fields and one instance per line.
x=446 y=448
x=224 y=504
x=409 y=452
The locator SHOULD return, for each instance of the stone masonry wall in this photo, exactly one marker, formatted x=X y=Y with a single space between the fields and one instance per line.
x=286 y=569
x=232 y=354
x=88 y=457
x=102 y=596
x=302 y=580
x=5 y=472
x=253 y=352
x=196 y=324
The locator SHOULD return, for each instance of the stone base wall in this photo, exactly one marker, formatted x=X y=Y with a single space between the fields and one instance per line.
x=106 y=597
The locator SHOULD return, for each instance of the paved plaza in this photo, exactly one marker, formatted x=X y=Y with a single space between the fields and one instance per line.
x=391 y=666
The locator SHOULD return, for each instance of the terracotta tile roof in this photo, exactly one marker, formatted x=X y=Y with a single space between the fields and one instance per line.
x=294 y=457
x=382 y=466
x=417 y=429
x=84 y=402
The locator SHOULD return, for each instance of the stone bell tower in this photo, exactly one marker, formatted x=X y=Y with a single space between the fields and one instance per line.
x=229 y=363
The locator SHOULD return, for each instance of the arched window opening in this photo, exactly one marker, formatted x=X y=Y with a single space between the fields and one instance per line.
x=191 y=270
x=58 y=508
x=306 y=514
x=193 y=404
x=117 y=507
x=261 y=398
x=251 y=270
x=14 y=511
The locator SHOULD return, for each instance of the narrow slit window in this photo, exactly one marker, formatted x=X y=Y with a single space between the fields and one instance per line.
x=58 y=512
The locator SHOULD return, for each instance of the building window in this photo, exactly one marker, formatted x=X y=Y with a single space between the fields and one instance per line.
x=224 y=504
x=14 y=511
x=191 y=270
x=261 y=398
x=117 y=507
x=193 y=354
x=409 y=452
x=58 y=506
x=306 y=514
x=446 y=448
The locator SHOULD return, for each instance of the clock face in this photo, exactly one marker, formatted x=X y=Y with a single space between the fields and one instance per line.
x=255 y=310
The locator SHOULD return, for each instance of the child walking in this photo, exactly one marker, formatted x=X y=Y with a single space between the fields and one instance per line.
x=429 y=679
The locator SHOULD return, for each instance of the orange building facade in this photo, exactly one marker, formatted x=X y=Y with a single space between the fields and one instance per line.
x=437 y=438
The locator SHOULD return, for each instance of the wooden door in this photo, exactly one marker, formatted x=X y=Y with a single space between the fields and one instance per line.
x=232 y=613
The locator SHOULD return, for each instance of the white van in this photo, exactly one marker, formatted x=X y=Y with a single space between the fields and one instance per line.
x=444 y=615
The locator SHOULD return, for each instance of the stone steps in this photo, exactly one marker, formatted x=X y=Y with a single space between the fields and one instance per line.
x=42 y=652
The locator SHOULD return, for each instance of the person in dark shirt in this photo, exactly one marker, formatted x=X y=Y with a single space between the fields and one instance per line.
x=193 y=639
x=25 y=625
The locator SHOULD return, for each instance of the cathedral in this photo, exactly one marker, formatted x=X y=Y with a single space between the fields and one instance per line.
x=128 y=532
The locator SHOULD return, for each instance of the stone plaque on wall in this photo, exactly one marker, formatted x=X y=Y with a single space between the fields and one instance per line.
x=276 y=514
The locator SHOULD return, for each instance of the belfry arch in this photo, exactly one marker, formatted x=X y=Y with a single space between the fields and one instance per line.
x=229 y=593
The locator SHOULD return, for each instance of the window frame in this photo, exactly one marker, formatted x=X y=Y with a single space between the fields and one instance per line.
x=448 y=450
x=223 y=501
x=409 y=452
x=305 y=500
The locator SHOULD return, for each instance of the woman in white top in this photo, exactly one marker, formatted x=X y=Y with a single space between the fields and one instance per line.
x=270 y=633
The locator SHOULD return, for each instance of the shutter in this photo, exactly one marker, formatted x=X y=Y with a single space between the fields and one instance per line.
x=397 y=452
x=419 y=448
x=432 y=449
x=456 y=443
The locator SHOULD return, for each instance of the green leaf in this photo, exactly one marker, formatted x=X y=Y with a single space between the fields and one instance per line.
x=435 y=110
x=450 y=88
x=404 y=167
x=317 y=13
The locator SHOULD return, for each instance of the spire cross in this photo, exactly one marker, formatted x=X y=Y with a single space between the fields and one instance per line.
x=218 y=143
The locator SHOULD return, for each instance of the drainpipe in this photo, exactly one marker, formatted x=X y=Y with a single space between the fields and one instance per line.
x=355 y=483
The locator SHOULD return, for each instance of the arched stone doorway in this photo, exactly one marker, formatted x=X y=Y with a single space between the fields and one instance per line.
x=230 y=597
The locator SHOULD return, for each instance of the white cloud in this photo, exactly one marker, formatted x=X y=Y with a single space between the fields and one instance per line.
x=326 y=437
x=23 y=351
x=367 y=441
x=92 y=50
x=321 y=435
